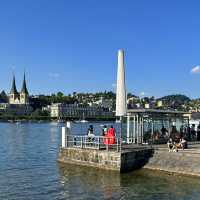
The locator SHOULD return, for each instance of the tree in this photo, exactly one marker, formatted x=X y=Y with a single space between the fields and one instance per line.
x=60 y=94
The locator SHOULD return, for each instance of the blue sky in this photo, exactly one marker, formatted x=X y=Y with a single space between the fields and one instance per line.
x=71 y=45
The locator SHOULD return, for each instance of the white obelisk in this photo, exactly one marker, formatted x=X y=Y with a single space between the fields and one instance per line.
x=121 y=106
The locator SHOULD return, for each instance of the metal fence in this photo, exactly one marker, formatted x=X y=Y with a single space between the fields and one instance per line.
x=96 y=142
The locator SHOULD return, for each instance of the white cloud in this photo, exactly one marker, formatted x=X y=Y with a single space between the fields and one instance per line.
x=54 y=75
x=196 y=70
x=142 y=93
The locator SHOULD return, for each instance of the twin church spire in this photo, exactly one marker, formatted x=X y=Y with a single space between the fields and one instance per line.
x=14 y=88
x=19 y=97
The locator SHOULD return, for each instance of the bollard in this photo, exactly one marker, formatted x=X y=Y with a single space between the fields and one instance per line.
x=63 y=137
x=68 y=125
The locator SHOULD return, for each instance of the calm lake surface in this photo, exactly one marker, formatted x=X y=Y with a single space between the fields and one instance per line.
x=29 y=171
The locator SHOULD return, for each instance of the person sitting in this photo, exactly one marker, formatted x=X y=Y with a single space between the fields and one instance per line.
x=183 y=143
x=170 y=144
x=90 y=134
x=175 y=147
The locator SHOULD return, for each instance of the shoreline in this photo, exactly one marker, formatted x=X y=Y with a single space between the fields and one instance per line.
x=49 y=119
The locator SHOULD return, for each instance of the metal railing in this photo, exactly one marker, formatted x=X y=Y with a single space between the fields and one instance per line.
x=95 y=142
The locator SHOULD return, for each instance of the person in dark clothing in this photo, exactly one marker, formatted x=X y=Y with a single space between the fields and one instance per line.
x=104 y=130
x=90 y=134
x=189 y=133
x=193 y=132
x=164 y=131
x=181 y=131
x=198 y=132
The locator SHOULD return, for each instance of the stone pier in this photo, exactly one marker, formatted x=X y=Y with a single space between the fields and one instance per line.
x=185 y=162
x=125 y=161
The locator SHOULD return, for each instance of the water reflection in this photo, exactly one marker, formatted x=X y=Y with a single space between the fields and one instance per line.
x=91 y=183
x=29 y=171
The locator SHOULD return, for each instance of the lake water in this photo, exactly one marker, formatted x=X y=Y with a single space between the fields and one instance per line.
x=29 y=171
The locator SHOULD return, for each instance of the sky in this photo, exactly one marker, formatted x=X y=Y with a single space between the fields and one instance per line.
x=71 y=45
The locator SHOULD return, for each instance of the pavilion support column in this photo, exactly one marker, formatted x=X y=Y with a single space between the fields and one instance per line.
x=137 y=129
x=142 y=131
x=169 y=127
x=128 y=129
x=152 y=127
x=134 y=135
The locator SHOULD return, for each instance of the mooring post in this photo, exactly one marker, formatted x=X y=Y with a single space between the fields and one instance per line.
x=67 y=132
x=64 y=137
x=68 y=125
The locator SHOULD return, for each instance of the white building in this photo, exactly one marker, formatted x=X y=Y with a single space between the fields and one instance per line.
x=60 y=110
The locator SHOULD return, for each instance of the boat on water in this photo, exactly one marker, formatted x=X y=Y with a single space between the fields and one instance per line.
x=60 y=121
x=11 y=121
x=81 y=121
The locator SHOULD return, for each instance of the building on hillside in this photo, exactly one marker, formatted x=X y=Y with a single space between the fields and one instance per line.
x=104 y=103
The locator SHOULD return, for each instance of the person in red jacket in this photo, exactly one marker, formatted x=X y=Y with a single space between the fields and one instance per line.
x=111 y=135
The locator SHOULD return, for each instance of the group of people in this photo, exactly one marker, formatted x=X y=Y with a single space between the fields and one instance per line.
x=107 y=133
x=174 y=145
x=193 y=132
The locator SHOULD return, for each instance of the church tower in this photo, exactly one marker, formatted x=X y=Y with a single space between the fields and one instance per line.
x=14 y=95
x=24 y=95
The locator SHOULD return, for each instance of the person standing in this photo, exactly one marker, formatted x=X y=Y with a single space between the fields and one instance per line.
x=198 y=132
x=164 y=131
x=193 y=132
x=90 y=133
x=111 y=135
x=104 y=130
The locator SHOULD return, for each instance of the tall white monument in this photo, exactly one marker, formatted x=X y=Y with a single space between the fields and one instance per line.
x=121 y=106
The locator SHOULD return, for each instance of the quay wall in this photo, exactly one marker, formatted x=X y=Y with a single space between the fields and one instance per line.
x=135 y=159
x=90 y=157
x=183 y=162
x=123 y=162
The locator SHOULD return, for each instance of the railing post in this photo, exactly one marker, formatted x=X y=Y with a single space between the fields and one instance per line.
x=117 y=144
x=98 y=142
x=81 y=141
